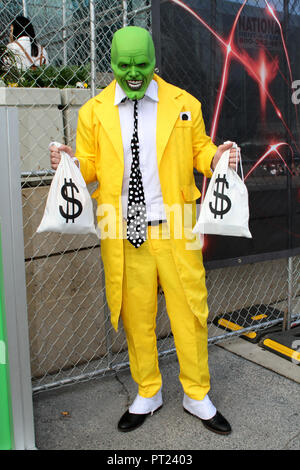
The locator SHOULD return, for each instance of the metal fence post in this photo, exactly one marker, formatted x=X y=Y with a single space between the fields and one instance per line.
x=14 y=281
x=213 y=12
x=93 y=47
x=288 y=314
x=125 y=17
x=24 y=5
x=6 y=435
x=156 y=32
x=64 y=33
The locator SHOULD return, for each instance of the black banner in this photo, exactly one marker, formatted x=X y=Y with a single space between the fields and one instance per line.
x=242 y=62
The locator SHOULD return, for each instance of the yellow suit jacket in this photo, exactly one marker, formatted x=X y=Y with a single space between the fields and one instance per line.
x=181 y=146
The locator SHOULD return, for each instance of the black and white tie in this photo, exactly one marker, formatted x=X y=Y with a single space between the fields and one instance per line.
x=136 y=208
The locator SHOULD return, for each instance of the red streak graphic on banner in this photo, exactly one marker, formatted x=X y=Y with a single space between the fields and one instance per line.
x=266 y=70
x=271 y=11
x=272 y=148
x=224 y=75
x=262 y=71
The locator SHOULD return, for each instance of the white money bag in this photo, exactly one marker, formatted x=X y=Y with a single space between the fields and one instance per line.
x=225 y=209
x=69 y=207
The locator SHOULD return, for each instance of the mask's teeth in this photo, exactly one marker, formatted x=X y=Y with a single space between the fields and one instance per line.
x=135 y=84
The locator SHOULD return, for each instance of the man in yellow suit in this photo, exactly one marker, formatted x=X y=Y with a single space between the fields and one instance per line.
x=141 y=138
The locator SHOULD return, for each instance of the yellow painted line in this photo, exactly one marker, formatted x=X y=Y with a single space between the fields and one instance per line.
x=282 y=349
x=259 y=317
x=235 y=327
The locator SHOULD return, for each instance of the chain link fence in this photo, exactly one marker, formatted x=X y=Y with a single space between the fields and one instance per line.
x=71 y=337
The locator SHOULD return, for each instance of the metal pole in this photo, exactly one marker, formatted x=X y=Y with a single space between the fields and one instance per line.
x=156 y=34
x=213 y=21
x=6 y=434
x=64 y=33
x=24 y=8
x=93 y=47
x=125 y=16
x=15 y=281
x=288 y=314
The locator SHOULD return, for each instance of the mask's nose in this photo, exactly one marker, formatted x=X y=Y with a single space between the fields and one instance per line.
x=133 y=73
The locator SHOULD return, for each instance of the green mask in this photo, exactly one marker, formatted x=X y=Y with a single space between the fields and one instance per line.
x=133 y=60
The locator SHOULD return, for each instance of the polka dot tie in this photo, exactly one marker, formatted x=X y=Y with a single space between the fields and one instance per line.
x=136 y=208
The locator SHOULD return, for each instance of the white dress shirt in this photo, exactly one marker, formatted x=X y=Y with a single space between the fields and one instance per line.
x=22 y=60
x=147 y=114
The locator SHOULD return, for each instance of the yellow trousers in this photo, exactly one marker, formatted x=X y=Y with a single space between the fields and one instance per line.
x=142 y=268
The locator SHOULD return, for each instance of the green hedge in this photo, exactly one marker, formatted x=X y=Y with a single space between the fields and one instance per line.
x=54 y=77
x=41 y=77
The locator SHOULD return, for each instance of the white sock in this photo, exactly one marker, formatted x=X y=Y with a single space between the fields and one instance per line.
x=143 y=405
x=204 y=409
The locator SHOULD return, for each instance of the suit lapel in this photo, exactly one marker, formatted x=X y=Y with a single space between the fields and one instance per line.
x=108 y=115
x=168 y=109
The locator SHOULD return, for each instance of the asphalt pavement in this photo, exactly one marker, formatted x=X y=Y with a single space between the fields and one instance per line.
x=257 y=391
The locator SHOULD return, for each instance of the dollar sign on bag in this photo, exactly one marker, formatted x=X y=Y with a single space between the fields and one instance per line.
x=220 y=195
x=72 y=202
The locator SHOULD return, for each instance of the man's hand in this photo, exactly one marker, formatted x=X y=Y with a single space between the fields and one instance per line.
x=233 y=156
x=55 y=154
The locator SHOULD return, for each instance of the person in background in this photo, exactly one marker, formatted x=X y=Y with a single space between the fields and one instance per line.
x=27 y=52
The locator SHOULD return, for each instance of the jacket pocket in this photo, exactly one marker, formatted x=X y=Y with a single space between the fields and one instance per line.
x=190 y=192
x=183 y=124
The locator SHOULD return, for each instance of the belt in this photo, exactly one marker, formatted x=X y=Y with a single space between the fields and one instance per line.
x=156 y=222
